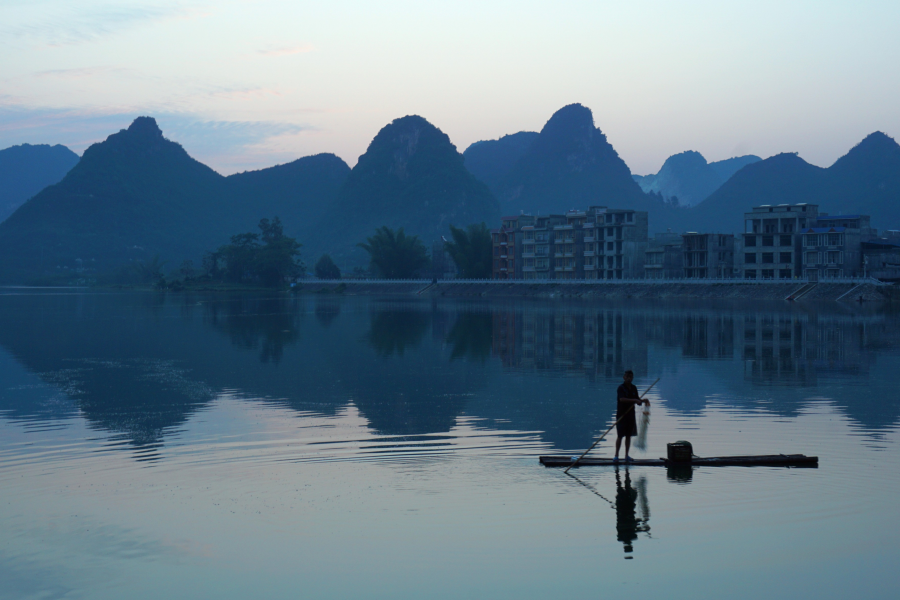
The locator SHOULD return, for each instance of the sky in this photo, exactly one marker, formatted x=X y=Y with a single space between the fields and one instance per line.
x=246 y=84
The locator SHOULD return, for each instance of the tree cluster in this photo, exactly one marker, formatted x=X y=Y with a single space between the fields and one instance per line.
x=471 y=251
x=269 y=257
x=395 y=255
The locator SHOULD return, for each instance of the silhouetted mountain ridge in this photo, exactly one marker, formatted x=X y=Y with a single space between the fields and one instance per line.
x=137 y=195
x=572 y=165
x=410 y=176
x=27 y=169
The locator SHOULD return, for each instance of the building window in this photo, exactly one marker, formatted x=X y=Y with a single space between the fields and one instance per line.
x=834 y=239
x=812 y=240
x=787 y=227
x=750 y=258
x=784 y=273
x=768 y=273
x=833 y=257
x=786 y=240
x=768 y=257
x=811 y=258
x=768 y=240
x=750 y=240
x=751 y=274
x=785 y=257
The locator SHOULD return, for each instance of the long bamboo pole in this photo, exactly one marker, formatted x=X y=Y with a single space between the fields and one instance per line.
x=577 y=460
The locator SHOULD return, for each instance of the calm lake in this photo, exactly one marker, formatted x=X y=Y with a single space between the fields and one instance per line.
x=270 y=446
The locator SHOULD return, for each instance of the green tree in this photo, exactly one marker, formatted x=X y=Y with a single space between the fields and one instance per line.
x=471 y=251
x=269 y=257
x=326 y=269
x=395 y=255
x=277 y=258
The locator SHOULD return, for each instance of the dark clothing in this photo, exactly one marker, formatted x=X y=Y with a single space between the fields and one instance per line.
x=628 y=425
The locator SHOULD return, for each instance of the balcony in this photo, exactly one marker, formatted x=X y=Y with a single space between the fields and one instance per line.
x=531 y=241
x=527 y=254
x=589 y=239
x=589 y=267
x=589 y=253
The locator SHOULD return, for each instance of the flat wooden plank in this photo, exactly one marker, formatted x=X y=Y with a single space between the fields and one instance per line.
x=770 y=460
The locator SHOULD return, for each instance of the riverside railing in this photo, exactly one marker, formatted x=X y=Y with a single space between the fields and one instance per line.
x=679 y=281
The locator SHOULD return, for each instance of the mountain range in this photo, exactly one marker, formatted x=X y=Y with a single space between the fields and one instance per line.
x=25 y=170
x=866 y=180
x=689 y=178
x=138 y=195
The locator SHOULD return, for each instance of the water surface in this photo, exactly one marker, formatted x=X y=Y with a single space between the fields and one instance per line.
x=238 y=446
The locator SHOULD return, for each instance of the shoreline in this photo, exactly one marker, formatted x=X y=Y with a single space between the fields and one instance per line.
x=851 y=291
x=799 y=291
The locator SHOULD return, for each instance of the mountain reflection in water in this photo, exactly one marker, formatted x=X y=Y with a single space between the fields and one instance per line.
x=138 y=365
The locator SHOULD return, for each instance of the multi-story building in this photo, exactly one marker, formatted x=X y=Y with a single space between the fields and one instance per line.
x=506 y=253
x=771 y=240
x=618 y=243
x=664 y=257
x=832 y=247
x=597 y=243
x=708 y=255
x=537 y=246
x=881 y=257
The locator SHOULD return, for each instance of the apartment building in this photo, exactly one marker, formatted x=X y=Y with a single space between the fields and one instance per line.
x=537 y=246
x=664 y=257
x=615 y=241
x=772 y=238
x=708 y=255
x=506 y=253
x=832 y=247
x=597 y=243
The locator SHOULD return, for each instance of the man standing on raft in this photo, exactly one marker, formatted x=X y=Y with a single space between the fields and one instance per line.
x=627 y=398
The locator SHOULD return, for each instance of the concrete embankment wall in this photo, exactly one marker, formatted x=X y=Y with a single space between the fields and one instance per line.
x=775 y=290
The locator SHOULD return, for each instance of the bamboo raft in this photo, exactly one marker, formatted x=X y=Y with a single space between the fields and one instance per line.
x=767 y=460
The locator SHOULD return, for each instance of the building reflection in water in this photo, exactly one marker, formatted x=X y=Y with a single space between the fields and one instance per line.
x=774 y=346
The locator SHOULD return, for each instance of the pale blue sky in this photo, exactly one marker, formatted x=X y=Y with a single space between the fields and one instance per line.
x=245 y=84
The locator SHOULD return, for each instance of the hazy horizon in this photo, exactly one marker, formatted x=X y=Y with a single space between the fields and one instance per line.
x=248 y=84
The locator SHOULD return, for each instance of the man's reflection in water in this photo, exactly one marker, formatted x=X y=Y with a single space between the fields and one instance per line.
x=628 y=498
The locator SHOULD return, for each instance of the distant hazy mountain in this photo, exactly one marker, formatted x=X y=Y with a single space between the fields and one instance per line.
x=25 y=170
x=137 y=195
x=689 y=177
x=491 y=160
x=864 y=181
x=411 y=176
x=571 y=165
